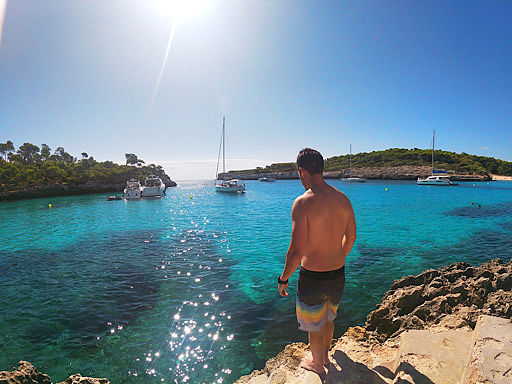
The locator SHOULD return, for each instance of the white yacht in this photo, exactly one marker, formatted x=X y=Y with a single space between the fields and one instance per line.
x=267 y=179
x=153 y=187
x=440 y=180
x=352 y=179
x=133 y=190
x=229 y=186
x=436 y=179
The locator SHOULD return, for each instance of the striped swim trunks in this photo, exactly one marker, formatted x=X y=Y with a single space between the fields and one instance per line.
x=318 y=297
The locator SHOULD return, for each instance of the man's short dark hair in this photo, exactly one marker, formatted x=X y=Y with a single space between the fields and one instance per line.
x=311 y=160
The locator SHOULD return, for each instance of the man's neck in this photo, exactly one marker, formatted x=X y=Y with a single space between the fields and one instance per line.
x=317 y=182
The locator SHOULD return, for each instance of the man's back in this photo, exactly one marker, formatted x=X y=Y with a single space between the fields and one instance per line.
x=329 y=218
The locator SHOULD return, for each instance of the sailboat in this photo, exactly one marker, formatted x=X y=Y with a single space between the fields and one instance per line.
x=352 y=179
x=229 y=186
x=436 y=178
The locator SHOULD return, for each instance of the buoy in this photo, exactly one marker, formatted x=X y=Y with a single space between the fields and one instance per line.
x=190 y=196
x=386 y=189
x=49 y=205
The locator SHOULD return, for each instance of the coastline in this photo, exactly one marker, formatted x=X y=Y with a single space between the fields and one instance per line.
x=51 y=190
x=501 y=178
x=458 y=303
x=370 y=173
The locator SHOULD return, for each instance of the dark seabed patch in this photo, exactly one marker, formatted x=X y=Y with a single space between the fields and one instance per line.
x=478 y=210
x=74 y=293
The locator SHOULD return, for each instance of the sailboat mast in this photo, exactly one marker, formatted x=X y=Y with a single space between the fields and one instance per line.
x=433 y=142
x=350 y=160
x=223 y=145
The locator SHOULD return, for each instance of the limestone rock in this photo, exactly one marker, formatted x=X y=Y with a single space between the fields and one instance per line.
x=78 y=379
x=459 y=290
x=26 y=373
x=491 y=358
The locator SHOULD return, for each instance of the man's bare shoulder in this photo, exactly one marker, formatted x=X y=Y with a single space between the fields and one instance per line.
x=341 y=196
x=303 y=201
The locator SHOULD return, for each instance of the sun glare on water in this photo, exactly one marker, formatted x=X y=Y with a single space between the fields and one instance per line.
x=178 y=9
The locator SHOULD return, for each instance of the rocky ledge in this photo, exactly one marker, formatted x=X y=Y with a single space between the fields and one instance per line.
x=377 y=173
x=26 y=373
x=427 y=328
x=460 y=290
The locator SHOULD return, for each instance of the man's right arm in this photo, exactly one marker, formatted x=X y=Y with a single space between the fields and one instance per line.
x=350 y=233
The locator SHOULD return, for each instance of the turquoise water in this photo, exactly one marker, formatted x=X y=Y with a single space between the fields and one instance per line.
x=183 y=289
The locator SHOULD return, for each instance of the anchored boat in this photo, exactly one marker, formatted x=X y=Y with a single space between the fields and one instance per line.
x=229 y=186
x=352 y=179
x=436 y=178
x=133 y=190
x=153 y=187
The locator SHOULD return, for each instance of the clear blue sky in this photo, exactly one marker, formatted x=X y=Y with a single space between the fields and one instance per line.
x=286 y=74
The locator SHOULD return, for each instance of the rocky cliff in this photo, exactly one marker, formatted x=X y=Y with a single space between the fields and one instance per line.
x=377 y=173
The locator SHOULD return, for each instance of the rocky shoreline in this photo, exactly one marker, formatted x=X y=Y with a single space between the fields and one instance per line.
x=51 y=190
x=371 y=173
x=26 y=373
x=454 y=297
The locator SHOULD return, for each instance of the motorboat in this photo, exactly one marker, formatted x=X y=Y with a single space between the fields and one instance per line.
x=230 y=186
x=439 y=180
x=352 y=179
x=133 y=190
x=153 y=187
x=267 y=179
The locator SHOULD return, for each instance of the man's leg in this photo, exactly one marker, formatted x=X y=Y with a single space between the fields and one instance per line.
x=316 y=344
x=328 y=331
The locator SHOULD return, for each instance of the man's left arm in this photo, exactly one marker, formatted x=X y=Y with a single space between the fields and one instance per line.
x=297 y=243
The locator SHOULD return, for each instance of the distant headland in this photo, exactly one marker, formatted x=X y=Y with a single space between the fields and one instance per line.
x=391 y=164
x=31 y=172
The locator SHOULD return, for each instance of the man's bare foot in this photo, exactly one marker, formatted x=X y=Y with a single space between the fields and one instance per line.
x=327 y=361
x=308 y=364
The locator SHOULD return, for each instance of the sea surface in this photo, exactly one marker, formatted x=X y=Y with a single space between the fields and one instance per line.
x=183 y=289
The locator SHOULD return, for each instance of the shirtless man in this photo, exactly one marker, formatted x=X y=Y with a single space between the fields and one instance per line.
x=323 y=233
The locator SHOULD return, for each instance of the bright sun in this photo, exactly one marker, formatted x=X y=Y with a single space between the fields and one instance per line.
x=178 y=9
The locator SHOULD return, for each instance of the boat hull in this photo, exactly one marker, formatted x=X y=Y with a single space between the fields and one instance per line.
x=132 y=194
x=353 y=180
x=441 y=183
x=229 y=189
x=155 y=192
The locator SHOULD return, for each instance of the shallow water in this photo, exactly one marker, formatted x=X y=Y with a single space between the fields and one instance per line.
x=183 y=289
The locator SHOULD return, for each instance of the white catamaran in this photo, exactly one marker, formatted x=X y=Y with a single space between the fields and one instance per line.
x=436 y=179
x=229 y=186
x=352 y=179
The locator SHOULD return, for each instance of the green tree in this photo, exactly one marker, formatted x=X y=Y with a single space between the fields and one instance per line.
x=131 y=159
x=27 y=151
x=63 y=156
x=45 y=152
x=6 y=148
